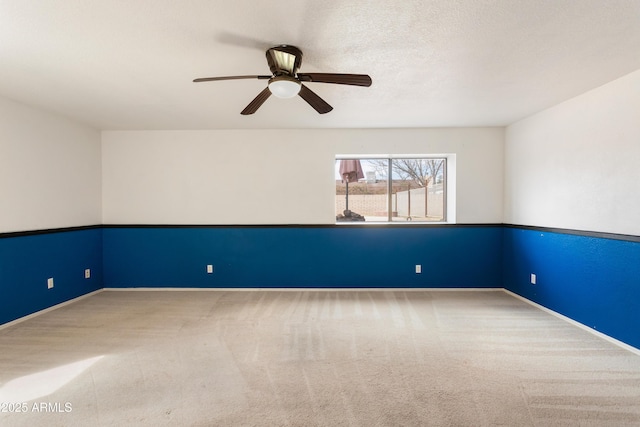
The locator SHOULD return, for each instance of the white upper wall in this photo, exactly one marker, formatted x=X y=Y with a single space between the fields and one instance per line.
x=276 y=176
x=577 y=165
x=49 y=170
x=573 y=166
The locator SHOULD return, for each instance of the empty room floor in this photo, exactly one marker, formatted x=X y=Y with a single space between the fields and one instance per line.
x=311 y=358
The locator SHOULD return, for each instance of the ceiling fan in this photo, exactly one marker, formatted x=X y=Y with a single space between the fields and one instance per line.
x=286 y=82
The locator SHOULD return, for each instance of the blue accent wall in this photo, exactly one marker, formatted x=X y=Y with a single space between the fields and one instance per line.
x=26 y=262
x=593 y=280
x=291 y=256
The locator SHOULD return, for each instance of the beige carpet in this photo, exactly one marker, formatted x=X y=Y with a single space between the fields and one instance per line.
x=311 y=358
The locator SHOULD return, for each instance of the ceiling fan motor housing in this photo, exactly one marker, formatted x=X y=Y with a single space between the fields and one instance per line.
x=284 y=59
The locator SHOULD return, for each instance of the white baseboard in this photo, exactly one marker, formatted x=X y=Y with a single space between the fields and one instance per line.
x=578 y=324
x=48 y=309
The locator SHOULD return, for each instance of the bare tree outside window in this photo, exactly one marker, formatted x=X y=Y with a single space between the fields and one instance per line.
x=421 y=171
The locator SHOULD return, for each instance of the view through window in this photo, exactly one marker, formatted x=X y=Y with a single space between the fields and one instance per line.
x=391 y=189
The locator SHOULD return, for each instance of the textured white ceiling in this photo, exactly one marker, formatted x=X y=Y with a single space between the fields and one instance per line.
x=129 y=64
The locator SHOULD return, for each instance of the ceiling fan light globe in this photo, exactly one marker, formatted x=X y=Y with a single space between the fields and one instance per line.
x=284 y=87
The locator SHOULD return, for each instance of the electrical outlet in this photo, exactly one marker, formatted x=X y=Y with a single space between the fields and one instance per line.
x=87 y=273
x=418 y=268
x=209 y=268
x=50 y=283
x=533 y=279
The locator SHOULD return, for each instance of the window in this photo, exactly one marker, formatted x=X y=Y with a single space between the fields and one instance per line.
x=391 y=189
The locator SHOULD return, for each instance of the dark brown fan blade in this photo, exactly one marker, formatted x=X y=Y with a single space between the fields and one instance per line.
x=213 y=79
x=314 y=100
x=257 y=102
x=341 y=79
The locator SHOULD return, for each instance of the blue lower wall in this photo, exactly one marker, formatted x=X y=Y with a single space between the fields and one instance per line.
x=593 y=280
x=335 y=256
x=26 y=262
